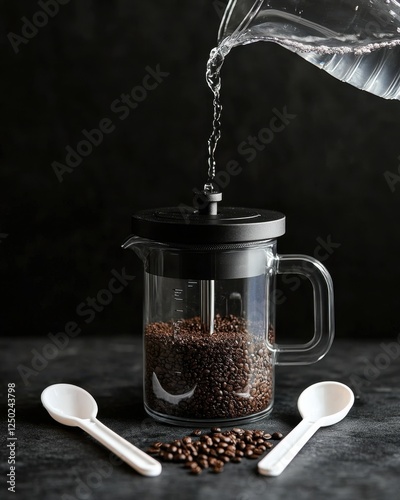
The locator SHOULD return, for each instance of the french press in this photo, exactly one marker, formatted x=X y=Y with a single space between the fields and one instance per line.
x=210 y=345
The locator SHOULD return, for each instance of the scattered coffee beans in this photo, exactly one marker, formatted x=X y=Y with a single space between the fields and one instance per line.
x=228 y=374
x=212 y=451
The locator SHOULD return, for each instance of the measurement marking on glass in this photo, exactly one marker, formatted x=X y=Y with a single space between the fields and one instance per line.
x=178 y=294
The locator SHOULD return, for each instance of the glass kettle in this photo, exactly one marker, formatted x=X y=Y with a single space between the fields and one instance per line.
x=356 y=41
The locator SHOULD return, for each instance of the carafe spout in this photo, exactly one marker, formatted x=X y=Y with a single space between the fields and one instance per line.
x=141 y=246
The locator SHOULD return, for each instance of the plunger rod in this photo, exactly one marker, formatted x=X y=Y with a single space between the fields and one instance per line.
x=207 y=202
x=207 y=305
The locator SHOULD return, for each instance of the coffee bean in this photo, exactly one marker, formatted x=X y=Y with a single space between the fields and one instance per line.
x=191 y=448
x=188 y=465
x=226 y=439
x=229 y=453
x=213 y=451
x=277 y=435
x=258 y=451
x=203 y=464
x=196 y=432
x=182 y=362
x=238 y=431
x=215 y=430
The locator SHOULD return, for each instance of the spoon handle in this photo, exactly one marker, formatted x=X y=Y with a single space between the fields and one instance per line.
x=137 y=459
x=280 y=457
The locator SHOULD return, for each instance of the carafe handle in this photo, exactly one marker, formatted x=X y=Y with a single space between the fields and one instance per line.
x=319 y=345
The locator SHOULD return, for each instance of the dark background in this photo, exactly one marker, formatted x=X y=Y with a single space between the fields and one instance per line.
x=325 y=171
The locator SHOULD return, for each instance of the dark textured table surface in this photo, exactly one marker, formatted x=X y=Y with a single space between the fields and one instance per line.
x=359 y=458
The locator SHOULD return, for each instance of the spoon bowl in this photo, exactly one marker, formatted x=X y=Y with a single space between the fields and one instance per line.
x=71 y=405
x=68 y=403
x=326 y=402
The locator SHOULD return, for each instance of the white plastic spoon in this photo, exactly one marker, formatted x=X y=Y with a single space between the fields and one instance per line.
x=320 y=405
x=72 y=405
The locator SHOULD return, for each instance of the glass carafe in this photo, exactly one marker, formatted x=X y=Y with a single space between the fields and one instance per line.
x=210 y=346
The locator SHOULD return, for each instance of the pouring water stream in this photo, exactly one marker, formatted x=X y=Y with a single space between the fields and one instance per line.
x=356 y=41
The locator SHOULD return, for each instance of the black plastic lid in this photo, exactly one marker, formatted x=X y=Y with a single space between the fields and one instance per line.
x=183 y=225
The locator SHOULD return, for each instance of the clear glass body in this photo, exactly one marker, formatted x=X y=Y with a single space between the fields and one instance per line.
x=209 y=344
x=197 y=376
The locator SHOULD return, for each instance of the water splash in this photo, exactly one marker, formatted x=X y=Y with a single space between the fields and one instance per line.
x=213 y=77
